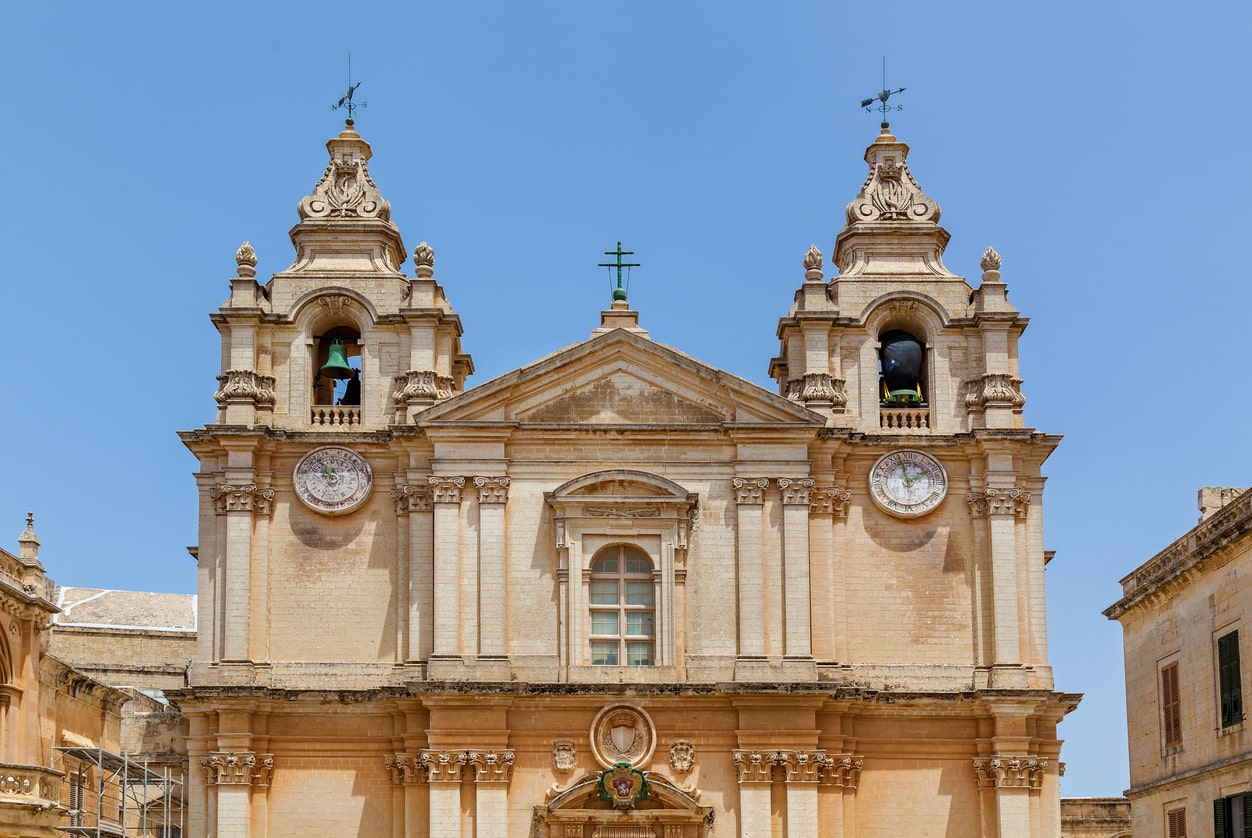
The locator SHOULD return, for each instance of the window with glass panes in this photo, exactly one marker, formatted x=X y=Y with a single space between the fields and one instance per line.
x=623 y=608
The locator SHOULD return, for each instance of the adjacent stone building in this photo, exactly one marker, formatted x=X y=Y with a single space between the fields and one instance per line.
x=620 y=593
x=1182 y=614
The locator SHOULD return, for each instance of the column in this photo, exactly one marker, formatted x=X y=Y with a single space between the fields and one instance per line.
x=493 y=769
x=750 y=496
x=238 y=502
x=446 y=497
x=796 y=492
x=493 y=494
x=415 y=595
x=756 y=774
x=1010 y=779
x=827 y=615
x=802 y=771
x=408 y=779
x=1002 y=507
x=443 y=774
x=233 y=774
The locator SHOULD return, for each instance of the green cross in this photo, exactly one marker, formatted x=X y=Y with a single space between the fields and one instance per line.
x=619 y=293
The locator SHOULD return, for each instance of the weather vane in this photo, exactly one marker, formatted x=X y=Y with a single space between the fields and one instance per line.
x=883 y=95
x=619 y=293
x=345 y=101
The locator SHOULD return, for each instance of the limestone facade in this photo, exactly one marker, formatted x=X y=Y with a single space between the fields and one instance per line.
x=1095 y=817
x=618 y=592
x=1184 y=616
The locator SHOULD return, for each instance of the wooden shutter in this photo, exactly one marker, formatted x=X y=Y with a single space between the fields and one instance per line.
x=1176 y=821
x=1171 y=706
x=1228 y=678
x=1247 y=815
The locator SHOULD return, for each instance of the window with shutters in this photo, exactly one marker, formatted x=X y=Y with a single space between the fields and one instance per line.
x=1176 y=823
x=1171 y=706
x=1229 y=686
x=1232 y=816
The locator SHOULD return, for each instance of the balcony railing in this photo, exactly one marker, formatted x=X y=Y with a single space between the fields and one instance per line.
x=336 y=416
x=30 y=784
x=904 y=418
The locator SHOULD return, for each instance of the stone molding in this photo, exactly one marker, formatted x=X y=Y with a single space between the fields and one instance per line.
x=245 y=386
x=1011 y=500
x=492 y=489
x=795 y=490
x=750 y=490
x=829 y=500
x=247 y=497
x=404 y=769
x=682 y=755
x=1014 y=772
x=411 y=498
x=993 y=388
x=242 y=768
x=445 y=766
x=446 y=489
x=421 y=387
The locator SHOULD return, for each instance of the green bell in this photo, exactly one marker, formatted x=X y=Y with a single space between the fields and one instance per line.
x=336 y=365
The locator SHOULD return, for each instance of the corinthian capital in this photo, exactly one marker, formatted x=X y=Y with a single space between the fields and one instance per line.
x=446 y=489
x=843 y=770
x=442 y=766
x=795 y=490
x=492 y=489
x=1010 y=500
x=754 y=766
x=829 y=500
x=404 y=769
x=750 y=489
x=490 y=766
x=411 y=498
x=242 y=498
x=224 y=768
x=1003 y=771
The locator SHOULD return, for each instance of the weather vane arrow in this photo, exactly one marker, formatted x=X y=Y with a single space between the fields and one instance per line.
x=883 y=107
x=346 y=101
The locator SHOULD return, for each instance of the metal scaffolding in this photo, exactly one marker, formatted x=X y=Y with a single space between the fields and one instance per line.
x=109 y=795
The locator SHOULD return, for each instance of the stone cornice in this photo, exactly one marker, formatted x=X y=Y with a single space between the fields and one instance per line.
x=1172 y=569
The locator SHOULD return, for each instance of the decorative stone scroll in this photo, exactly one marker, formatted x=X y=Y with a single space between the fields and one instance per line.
x=993 y=389
x=224 y=768
x=490 y=766
x=411 y=498
x=842 y=770
x=795 y=490
x=245 y=498
x=750 y=489
x=421 y=387
x=829 y=500
x=245 y=386
x=1001 y=771
x=346 y=189
x=564 y=756
x=890 y=193
x=682 y=756
x=446 y=489
x=492 y=489
x=405 y=769
x=1012 y=500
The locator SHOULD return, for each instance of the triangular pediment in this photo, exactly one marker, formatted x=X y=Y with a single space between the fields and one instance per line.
x=620 y=378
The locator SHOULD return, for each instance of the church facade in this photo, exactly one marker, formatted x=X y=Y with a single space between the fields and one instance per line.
x=619 y=593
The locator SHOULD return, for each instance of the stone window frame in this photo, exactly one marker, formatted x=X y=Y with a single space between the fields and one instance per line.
x=313 y=315
x=922 y=318
x=620 y=506
x=621 y=607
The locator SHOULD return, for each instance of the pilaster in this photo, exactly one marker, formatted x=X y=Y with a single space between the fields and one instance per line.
x=414 y=585
x=750 y=499
x=797 y=494
x=493 y=494
x=997 y=511
x=240 y=503
x=446 y=497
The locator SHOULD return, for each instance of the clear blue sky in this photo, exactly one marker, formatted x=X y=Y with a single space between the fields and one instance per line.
x=1098 y=146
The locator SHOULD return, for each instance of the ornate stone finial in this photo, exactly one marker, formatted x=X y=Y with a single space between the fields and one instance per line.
x=813 y=264
x=245 y=259
x=28 y=535
x=424 y=261
x=990 y=260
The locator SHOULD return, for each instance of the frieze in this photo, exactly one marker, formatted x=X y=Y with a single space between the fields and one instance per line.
x=750 y=490
x=621 y=510
x=1002 y=771
x=796 y=490
x=224 y=768
x=829 y=500
x=245 y=386
x=492 y=489
x=1011 y=500
x=446 y=489
x=994 y=389
x=411 y=498
x=242 y=498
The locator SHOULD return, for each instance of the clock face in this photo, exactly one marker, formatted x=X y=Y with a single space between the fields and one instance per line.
x=333 y=480
x=907 y=483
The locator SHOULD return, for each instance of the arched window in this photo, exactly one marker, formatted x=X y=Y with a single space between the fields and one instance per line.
x=901 y=369
x=337 y=371
x=623 y=608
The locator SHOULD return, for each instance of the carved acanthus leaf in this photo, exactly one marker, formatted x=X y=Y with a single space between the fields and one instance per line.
x=421 y=387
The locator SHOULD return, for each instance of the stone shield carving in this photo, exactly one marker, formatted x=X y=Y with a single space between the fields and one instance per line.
x=564 y=757
x=622 y=733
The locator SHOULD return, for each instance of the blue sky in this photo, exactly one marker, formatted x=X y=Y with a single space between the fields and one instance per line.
x=1097 y=146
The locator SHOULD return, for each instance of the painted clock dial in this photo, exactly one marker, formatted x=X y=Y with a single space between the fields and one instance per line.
x=907 y=483
x=333 y=480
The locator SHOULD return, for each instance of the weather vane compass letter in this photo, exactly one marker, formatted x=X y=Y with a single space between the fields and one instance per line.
x=619 y=292
x=886 y=93
x=346 y=101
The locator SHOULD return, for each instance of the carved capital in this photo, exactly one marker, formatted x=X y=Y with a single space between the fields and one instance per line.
x=492 y=489
x=795 y=490
x=411 y=498
x=841 y=770
x=801 y=766
x=754 y=766
x=404 y=769
x=829 y=500
x=446 y=489
x=223 y=768
x=750 y=489
x=442 y=766
x=490 y=766
x=1012 y=772
x=245 y=498
x=998 y=501
x=993 y=389
x=245 y=386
